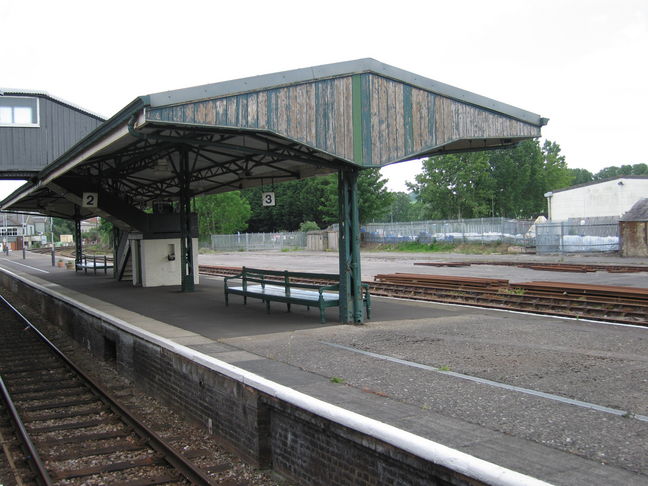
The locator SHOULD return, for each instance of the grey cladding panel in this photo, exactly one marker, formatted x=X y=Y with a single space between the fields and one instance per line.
x=32 y=148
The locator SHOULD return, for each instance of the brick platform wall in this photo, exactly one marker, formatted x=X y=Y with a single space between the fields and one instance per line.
x=264 y=430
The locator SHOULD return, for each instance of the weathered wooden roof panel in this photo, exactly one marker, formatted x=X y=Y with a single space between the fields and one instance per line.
x=367 y=118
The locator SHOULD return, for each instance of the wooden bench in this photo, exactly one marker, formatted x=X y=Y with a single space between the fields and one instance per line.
x=310 y=289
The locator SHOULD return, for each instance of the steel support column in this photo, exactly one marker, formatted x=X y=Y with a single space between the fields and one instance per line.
x=186 y=242
x=351 y=309
x=78 y=247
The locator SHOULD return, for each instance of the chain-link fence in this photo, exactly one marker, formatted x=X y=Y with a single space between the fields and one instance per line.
x=484 y=230
x=578 y=236
x=572 y=236
x=258 y=241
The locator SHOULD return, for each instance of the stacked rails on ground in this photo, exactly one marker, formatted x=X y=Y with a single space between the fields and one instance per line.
x=590 y=292
x=443 y=281
x=218 y=270
x=444 y=264
x=552 y=267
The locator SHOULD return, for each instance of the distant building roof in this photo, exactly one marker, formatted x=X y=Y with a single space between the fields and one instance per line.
x=638 y=212
x=598 y=182
x=45 y=94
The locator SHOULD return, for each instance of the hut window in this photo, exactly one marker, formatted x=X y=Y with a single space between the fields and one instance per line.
x=19 y=111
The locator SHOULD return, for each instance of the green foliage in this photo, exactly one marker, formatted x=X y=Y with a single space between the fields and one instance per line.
x=445 y=247
x=583 y=176
x=404 y=207
x=296 y=202
x=509 y=182
x=315 y=199
x=224 y=213
x=624 y=170
x=62 y=227
x=308 y=226
x=415 y=247
x=580 y=176
x=105 y=232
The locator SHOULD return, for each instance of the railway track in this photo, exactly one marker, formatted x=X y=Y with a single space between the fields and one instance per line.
x=624 y=305
x=65 y=428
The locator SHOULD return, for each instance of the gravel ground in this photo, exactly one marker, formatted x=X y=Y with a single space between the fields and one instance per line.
x=209 y=452
x=604 y=365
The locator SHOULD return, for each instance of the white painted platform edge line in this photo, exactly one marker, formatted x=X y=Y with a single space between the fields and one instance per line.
x=497 y=384
x=426 y=449
x=24 y=265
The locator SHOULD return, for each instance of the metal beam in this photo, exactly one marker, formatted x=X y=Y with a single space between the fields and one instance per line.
x=351 y=309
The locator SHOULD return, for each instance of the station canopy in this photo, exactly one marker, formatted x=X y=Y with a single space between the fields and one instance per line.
x=263 y=130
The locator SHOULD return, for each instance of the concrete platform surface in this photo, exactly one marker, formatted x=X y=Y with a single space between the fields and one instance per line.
x=561 y=400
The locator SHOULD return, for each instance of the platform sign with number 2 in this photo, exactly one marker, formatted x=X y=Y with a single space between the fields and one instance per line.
x=90 y=200
x=268 y=198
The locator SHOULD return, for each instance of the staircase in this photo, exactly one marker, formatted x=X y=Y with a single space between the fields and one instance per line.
x=123 y=258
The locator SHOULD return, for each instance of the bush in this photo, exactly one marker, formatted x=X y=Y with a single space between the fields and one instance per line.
x=308 y=226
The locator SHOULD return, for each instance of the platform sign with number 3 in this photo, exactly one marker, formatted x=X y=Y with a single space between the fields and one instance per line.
x=268 y=198
x=90 y=200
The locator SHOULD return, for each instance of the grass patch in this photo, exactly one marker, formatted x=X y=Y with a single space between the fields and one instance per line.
x=337 y=379
x=512 y=291
x=445 y=247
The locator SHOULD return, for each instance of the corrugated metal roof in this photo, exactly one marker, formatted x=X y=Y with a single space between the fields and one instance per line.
x=638 y=212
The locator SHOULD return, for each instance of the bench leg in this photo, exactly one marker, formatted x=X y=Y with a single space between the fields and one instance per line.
x=322 y=315
x=288 y=305
x=226 y=299
x=245 y=300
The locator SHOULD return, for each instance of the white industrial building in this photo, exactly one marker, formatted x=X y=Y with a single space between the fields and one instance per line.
x=612 y=197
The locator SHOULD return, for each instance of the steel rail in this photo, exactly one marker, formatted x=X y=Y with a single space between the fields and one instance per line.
x=33 y=458
x=173 y=457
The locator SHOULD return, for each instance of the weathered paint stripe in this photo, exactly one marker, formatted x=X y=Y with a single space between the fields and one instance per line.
x=357 y=119
x=432 y=119
x=407 y=119
x=366 y=119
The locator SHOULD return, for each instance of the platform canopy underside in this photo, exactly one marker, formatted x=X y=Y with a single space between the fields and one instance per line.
x=143 y=166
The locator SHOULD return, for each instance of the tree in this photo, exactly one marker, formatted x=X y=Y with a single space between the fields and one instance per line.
x=614 y=171
x=374 y=200
x=508 y=182
x=401 y=209
x=455 y=186
x=315 y=199
x=221 y=213
x=62 y=227
x=296 y=202
x=580 y=176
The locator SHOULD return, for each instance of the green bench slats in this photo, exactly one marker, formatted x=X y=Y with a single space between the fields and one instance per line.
x=284 y=286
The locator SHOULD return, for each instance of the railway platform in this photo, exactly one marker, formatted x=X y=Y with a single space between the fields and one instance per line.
x=561 y=400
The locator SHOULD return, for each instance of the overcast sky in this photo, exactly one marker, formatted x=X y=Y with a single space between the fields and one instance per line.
x=580 y=63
